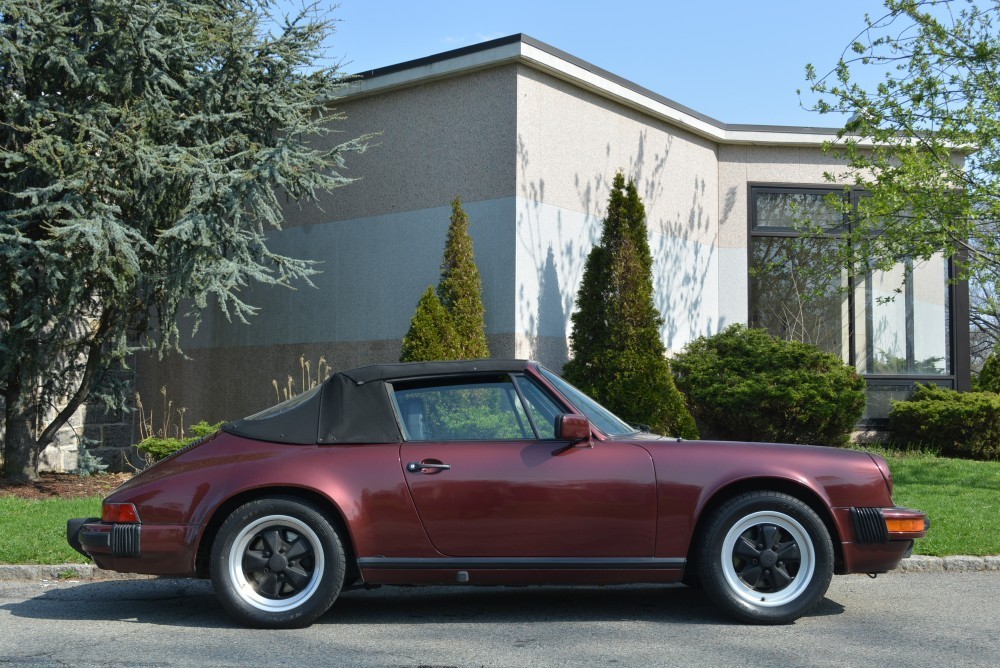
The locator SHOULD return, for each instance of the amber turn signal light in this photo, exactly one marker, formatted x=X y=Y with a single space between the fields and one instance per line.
x=121 y=513
x=897 y=525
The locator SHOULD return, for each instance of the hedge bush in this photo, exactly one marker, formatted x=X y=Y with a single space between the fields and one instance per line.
x=989 y=378
x=744 y=384
x=156 y=448
x=963 y=424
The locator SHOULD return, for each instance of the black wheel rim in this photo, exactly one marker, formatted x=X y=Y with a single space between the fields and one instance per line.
x=766 y=558
x=279 y=562
x=276 y=563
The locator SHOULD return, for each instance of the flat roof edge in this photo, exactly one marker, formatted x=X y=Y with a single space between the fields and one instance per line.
x=534 y=53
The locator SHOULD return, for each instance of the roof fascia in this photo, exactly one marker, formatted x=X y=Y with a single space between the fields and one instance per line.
x=530 y=52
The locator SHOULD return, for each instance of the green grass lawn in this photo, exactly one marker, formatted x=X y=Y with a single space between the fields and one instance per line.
x=35 y=531
x=962 y=497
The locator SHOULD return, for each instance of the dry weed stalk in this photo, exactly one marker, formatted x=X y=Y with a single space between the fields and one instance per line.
x=167 y=428
x=308 y=381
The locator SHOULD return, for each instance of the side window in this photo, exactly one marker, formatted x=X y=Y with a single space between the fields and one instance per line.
x=542 y=408
x=465 y=410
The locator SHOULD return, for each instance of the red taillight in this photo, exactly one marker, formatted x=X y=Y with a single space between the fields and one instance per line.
x=119 y=513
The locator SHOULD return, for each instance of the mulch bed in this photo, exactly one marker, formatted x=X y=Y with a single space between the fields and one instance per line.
x=64 y=486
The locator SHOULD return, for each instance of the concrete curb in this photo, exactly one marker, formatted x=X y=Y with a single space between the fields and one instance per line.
x=64 y=573
x=957 y=564
x=79 y=572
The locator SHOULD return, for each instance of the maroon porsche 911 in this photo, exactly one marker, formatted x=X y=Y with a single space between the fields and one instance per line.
x=492 y=472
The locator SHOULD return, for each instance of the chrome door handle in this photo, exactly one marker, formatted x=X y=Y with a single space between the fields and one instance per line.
x=419 y=467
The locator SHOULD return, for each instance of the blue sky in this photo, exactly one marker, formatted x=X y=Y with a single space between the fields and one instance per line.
x=737 y=61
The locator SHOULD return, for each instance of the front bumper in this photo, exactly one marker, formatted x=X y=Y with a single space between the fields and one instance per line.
x=880 y=538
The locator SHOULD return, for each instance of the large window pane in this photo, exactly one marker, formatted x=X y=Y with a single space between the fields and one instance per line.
x=932 y=315
x=902 y=320
x=893 y=326
x=792 y=210
x=796 y=296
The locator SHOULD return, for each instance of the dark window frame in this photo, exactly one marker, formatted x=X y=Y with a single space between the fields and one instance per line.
x=958 y=294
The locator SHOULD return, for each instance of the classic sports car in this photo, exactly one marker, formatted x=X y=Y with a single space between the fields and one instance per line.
x=492 y=472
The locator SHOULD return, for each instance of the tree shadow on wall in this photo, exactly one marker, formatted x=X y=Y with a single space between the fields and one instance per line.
x=683 y=241
x=553 y=350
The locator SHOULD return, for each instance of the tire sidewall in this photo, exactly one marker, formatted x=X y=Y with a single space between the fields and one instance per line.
x=711 y=566
x=322 y=596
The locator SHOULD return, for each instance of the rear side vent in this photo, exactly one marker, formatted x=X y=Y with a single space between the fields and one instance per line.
x=869 y=525
x=125 y=540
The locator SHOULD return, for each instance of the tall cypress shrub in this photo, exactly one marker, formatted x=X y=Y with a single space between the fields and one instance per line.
x=451 y=325
x=618 y=355
x=461 y=290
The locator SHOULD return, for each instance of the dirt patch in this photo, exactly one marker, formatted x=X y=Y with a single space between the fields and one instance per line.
x=64 y=486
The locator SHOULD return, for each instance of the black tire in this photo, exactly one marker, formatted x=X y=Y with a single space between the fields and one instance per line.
x=766 y=558
x=277 y=563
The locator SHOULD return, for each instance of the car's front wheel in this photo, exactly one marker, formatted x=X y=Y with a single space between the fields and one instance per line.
x=766 y=558
x=277 y=563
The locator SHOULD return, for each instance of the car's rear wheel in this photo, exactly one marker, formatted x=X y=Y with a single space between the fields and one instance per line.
x=277 y=563
x=766 y=558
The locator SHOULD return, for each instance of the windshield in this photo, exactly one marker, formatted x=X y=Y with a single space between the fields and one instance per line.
x=599 y=416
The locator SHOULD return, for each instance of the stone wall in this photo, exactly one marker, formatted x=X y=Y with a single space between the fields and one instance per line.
x=107 y=435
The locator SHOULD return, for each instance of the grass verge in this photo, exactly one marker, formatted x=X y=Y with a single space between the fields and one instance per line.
x=36 y=529
x=961 y=496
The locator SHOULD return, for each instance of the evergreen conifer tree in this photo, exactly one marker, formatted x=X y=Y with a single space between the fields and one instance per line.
x=618 y=355
x=461 y=290
x=431 y=335
x=145 y=150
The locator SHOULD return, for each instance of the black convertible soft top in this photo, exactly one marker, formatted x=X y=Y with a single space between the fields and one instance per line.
x=352 y=406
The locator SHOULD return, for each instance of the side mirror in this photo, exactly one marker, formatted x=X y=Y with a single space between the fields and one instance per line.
x=574 y=428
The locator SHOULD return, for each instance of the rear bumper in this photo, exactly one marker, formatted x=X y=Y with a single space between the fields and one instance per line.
x=73 y=528
x=155 y=549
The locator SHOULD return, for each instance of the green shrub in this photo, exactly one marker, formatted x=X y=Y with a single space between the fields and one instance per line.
x=965 y=424
x=989 y=378
x=156 y=447
x=432 y=333
x=744 y=384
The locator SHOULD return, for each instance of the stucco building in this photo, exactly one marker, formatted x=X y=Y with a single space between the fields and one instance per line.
x=530 y=138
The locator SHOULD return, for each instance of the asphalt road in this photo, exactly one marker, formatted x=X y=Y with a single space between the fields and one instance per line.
x=913 y=619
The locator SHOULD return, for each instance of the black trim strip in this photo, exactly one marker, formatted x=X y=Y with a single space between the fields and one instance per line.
x=869 y=525
x=520 y=563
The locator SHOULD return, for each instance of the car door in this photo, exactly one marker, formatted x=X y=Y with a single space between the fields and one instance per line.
x=489 y=479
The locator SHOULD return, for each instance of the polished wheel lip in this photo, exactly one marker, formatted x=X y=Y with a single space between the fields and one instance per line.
x=247 y=590
x=807 y=559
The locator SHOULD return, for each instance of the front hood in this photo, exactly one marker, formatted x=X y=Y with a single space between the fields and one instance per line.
x=776 y=448
x=842 y=477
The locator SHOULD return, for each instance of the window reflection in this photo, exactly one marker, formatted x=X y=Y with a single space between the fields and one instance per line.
x=795 y=297
x=902 y=320
x=894 y=326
